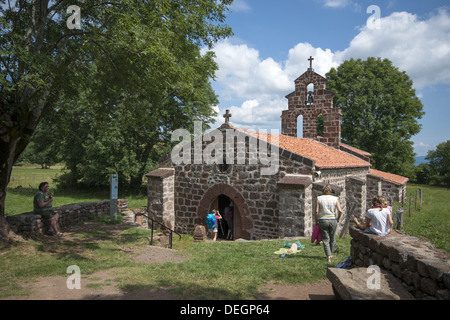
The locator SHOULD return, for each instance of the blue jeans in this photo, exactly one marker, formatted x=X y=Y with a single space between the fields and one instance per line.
x=328 y=231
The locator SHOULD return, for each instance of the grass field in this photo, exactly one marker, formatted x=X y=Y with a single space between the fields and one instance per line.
x=212 y=270
x=219 y=270
x=25 y=182
x=431 y=221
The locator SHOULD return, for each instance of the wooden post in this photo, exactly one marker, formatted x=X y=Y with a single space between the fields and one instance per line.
x=415 y=201
x=421 y=197
x=398 y=223
x=410 y=196
x=344 y=229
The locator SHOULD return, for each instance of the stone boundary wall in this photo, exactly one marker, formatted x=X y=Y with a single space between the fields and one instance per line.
x=30 y=224
x=422 y=269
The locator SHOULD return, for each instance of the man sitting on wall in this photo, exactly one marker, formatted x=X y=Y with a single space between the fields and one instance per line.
x=42 y=203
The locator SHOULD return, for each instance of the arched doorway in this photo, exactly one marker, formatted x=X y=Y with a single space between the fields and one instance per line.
x=224 y=203
x=219 y=196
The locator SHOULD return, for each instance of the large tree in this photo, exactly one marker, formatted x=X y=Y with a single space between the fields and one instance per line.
x=380 y=111
x=142 y=46
x=440 y=164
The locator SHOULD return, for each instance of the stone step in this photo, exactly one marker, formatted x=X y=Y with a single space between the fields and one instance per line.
x=354 y=284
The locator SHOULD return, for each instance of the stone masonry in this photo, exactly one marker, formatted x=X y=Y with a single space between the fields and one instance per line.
x=423 y=270
x=322 y=105
x=274 y=205
x=30 y=224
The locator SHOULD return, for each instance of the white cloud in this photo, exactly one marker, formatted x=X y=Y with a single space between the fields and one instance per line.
x=258 y=86
x=421 y=145
x=297 y=62
x=336 y=3
x=240 y=6
x=421 y=48
x=244 y=74
x=262 y=84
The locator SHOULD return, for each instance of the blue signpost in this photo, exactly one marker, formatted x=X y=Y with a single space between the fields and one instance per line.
x=114 y=196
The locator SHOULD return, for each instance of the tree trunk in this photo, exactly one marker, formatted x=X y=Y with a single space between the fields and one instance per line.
x=6 y=161
x=15 y=134
x=136 y=183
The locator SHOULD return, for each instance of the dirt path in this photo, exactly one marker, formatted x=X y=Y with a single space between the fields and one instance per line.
x=102 y=286
x=55 y=288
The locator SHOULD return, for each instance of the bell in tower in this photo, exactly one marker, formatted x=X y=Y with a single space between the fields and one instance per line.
x=310 y=99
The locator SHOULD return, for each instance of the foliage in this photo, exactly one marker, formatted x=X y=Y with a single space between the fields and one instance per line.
x=379 y=110
x=440 y=163
x=127 y=54
x=423 y=173
x=42 y=148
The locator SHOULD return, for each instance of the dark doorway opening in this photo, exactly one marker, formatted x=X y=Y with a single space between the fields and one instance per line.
x=225 y=225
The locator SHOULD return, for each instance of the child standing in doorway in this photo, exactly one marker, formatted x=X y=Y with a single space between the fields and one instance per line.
x=216 y=227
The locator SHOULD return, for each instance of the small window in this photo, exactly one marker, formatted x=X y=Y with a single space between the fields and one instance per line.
x=310 y=94
x=300 y=126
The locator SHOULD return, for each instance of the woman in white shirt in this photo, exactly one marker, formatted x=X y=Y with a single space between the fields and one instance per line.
x=378 y=218
x=326 y=208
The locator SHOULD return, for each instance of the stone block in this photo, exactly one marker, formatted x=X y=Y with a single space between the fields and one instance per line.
x=352 y=284
x=422 y=268
x=437 y=267
x=199 y=233
x=446 y=278
x=428 y=286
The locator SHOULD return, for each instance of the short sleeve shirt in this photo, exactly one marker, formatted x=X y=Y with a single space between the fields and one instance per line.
x=327 y=206
x=379 y=220
x=39 y=198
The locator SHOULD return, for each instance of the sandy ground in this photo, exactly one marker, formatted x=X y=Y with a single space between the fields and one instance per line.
x=55 y=288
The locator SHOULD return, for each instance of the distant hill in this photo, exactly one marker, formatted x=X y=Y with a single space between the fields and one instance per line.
x=420 y=159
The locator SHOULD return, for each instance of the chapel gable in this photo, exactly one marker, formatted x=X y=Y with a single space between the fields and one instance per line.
x=314 y=103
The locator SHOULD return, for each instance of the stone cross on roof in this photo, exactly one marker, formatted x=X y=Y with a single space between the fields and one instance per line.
x=227 y=116
x=310 y=62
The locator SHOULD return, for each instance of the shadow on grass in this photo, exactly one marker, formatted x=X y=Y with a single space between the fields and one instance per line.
x=93 y=241
x=177 y=290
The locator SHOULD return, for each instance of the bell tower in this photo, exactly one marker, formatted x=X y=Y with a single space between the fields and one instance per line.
x=314 y=102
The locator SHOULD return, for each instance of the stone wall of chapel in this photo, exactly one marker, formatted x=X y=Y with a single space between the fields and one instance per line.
x=339 y=178
x=259 y=191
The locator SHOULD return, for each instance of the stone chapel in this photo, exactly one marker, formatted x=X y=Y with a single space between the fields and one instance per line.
x=281 y=203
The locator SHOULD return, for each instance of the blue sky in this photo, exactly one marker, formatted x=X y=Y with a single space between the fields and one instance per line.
x=273 y=39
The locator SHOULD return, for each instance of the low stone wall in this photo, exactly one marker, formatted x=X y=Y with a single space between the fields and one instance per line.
x=30 y=224
x=423 y=270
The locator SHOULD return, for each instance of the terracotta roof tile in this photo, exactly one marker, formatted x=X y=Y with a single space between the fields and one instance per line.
x=364 y=153
x=390 y=177
x=324 y=156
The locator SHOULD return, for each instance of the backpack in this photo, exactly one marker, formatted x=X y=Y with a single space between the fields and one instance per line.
x=211 y=220
x=347 y=264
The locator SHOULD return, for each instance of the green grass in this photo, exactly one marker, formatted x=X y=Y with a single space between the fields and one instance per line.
x=20 y=200
x=213 y=270
x=431 y=221
x=31 y=175
x=220 y=270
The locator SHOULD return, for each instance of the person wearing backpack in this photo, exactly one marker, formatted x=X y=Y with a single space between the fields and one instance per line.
x=213 y=223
